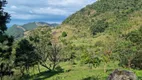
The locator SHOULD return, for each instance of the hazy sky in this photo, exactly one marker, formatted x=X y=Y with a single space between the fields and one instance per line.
x=23 y=11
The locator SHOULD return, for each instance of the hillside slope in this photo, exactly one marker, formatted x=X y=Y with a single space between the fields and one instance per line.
x=114 y=12
x=117 y=17
x=16 y=31
x=104 y=26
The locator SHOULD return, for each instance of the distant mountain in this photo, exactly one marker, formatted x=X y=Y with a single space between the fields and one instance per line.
x=18 y=30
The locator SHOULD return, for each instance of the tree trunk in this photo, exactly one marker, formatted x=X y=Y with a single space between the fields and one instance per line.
x=46 y=66
x=34 y=70
x=27 y=69
x=39 y=67
x=54 y=65
x=129 y=63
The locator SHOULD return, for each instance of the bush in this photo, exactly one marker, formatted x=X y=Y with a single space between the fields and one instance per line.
x=135 y=37
x=90 y=59
x=100 y=26
x=64 y=34
x=137 y=61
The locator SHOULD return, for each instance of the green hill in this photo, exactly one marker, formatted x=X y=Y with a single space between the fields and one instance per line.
x=112 y=26
x=15 y=31
x=30 y=26
x=114 y=18
x=18 y=31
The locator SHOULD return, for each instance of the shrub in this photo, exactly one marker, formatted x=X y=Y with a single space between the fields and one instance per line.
x=137 y=61
x=64 y=34
x=100 y=26
x=135 y=37
x=91 y=59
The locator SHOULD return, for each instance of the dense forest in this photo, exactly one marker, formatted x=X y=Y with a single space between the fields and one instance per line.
x=89 y=45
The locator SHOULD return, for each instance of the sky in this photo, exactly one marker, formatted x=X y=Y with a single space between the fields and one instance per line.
x=51 y=11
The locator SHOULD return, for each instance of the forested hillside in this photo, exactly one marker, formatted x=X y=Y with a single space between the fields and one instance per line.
x=113 y=25
x=106 y=27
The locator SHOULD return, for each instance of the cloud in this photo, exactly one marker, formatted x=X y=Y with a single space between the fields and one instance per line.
x=50 y=10
x=13 y=7
x=25 y=16
x=69 y=3
x=44 y=9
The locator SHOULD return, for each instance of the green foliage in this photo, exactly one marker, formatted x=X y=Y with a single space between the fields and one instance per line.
x=91 y=59
x=64 y=34
x=120 y=19
x=25 y=56
x=48 y=52
x=126 y=52
x=99 y=27
x=91 y=13
x=122 y=6
x=135 y=36
x=99 y=44
x=6 y=42
x=137 y=61
x=129 y=54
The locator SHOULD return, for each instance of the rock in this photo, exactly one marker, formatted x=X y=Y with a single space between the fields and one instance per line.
x=122 y=75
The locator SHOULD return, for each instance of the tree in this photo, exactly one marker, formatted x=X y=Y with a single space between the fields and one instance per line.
x=48 y=51
x=5 y=42
x=25 y=56
x=91 y=59
x=136 y=39
x=50 y=57
x=54 y=56
x=126 y=53
x=135 y=36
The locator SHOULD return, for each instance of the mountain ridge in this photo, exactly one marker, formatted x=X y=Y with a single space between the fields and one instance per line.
x=17 y=31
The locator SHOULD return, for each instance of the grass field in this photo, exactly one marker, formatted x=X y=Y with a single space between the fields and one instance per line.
x=67 y=71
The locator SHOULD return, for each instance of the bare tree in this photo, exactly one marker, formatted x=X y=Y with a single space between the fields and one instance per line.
x=48 y=52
